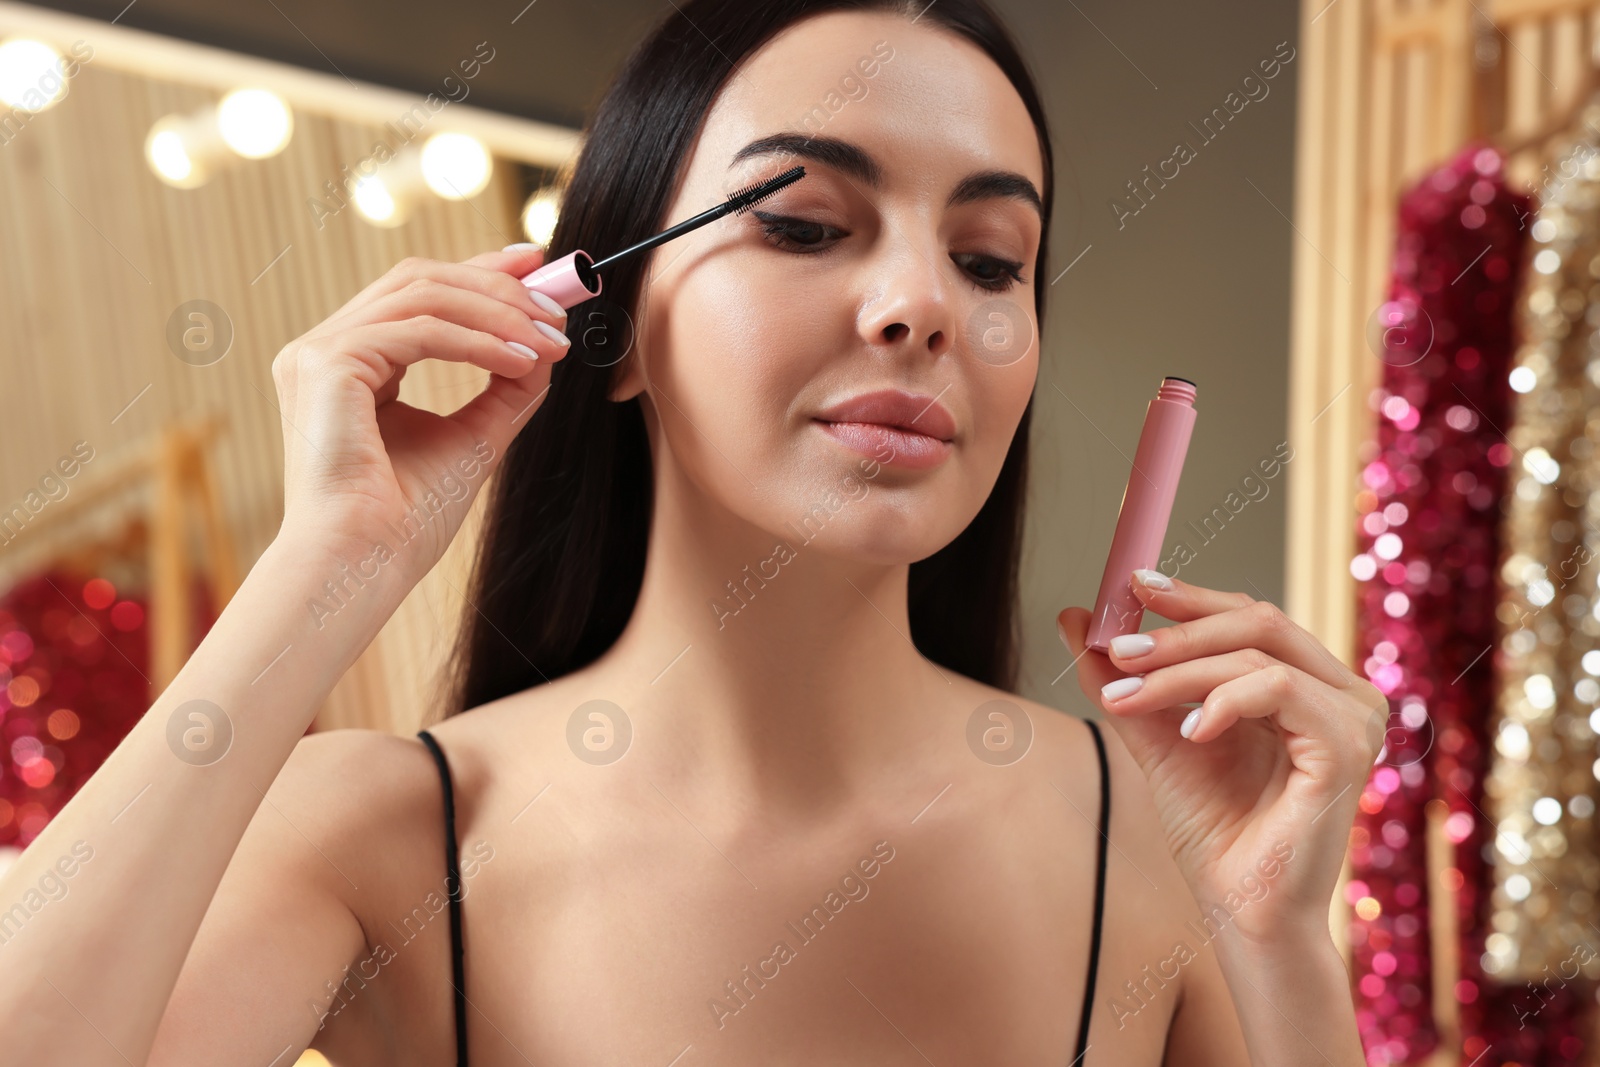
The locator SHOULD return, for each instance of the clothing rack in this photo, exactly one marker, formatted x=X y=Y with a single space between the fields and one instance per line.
x=1389 y=89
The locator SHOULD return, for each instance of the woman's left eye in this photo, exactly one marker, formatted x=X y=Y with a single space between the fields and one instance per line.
x=1006 y=272
x=799 y=235
x=785 y=229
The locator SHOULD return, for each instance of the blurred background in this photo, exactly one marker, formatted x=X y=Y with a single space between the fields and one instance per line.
x=1369 y=230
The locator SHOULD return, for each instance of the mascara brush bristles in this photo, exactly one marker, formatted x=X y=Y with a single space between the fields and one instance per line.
x=758 y=192
x=737 y=203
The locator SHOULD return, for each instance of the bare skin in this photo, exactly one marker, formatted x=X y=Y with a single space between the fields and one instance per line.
x=605 y=924
x=771 y=753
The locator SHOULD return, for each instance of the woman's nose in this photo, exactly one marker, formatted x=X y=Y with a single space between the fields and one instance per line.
x=914 y=310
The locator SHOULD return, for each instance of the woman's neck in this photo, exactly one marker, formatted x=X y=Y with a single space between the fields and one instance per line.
x=763 y=663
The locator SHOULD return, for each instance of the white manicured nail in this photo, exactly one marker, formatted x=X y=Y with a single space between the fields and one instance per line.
x=547 y=304
x=522 y=350
x=551 y=332
x=1152 y=579
x=1190 y=721
x=1130 y=645
x=1121 y=687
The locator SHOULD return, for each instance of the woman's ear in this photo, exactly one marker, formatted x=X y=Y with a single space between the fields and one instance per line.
x=627 y=378
x=601 y=332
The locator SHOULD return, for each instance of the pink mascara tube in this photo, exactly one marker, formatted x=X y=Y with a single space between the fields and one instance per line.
x=577 y=276
x=1146 y=507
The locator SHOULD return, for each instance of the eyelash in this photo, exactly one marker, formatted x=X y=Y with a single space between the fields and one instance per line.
x=777 y=228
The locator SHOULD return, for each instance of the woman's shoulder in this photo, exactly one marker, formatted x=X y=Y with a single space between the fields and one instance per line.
x=374 y=763
x=1148 y=901
x=370 y=805
x=1059 y=742
x=509 y=735
x=358 y=786
x=1063 y=751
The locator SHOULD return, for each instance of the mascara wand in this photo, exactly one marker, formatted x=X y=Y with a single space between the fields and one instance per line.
x=575 y=277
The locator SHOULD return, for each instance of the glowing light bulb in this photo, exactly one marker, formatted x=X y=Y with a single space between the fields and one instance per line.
x=539 y=216
x=455 y=166
x=376 y=203
x=30 y=75
x=168 y=156
x=168 y=150
x=255 y=123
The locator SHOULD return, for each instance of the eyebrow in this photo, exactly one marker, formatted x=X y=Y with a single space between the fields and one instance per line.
x=855 y=161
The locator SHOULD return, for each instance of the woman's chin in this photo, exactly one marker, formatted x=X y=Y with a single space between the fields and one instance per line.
x=867 y=532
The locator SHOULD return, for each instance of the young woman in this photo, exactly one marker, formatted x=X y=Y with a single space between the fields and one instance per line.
x=732 y=772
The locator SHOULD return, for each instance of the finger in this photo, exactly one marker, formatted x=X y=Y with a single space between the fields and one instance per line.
x=1181 y=601
x=389 y=391
x=493 y=274
x=1192 y=681
x=1300 y=704
x=505 y=406
x=1244 y=685
x=378 y=349
x=1209 y=622
x=1147 y=736
x=1094 y=669
x=516 y=260
x=495 y=284
x=474 y=310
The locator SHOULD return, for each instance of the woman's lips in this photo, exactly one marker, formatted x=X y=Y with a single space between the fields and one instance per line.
x=908 y=449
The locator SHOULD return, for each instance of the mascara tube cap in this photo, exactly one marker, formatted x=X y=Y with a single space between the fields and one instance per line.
x=569 y=280
x=1146 y=507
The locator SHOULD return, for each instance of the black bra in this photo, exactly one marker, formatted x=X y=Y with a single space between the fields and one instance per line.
x=453 y=886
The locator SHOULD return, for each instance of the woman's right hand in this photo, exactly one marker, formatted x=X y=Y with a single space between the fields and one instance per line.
x=362 y=470
x=361 y=467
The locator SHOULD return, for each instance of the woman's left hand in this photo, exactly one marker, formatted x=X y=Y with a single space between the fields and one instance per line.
x=1285 y=738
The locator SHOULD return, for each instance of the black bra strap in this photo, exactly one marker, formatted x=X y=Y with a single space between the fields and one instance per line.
x=453 y=891
x=1099 y=894
x=458 y=962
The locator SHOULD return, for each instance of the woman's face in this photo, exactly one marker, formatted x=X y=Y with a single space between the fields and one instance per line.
x=853 y=280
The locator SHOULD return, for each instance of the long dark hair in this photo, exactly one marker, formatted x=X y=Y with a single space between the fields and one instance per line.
x=562 y=551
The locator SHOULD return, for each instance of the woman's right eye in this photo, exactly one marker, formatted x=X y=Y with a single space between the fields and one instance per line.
x=796 y=234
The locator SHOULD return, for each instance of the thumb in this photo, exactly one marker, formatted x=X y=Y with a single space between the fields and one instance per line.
x=506 y=404
x=516 y=259
x=1094 y=668
x=1149 y=736
x=504 y=408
